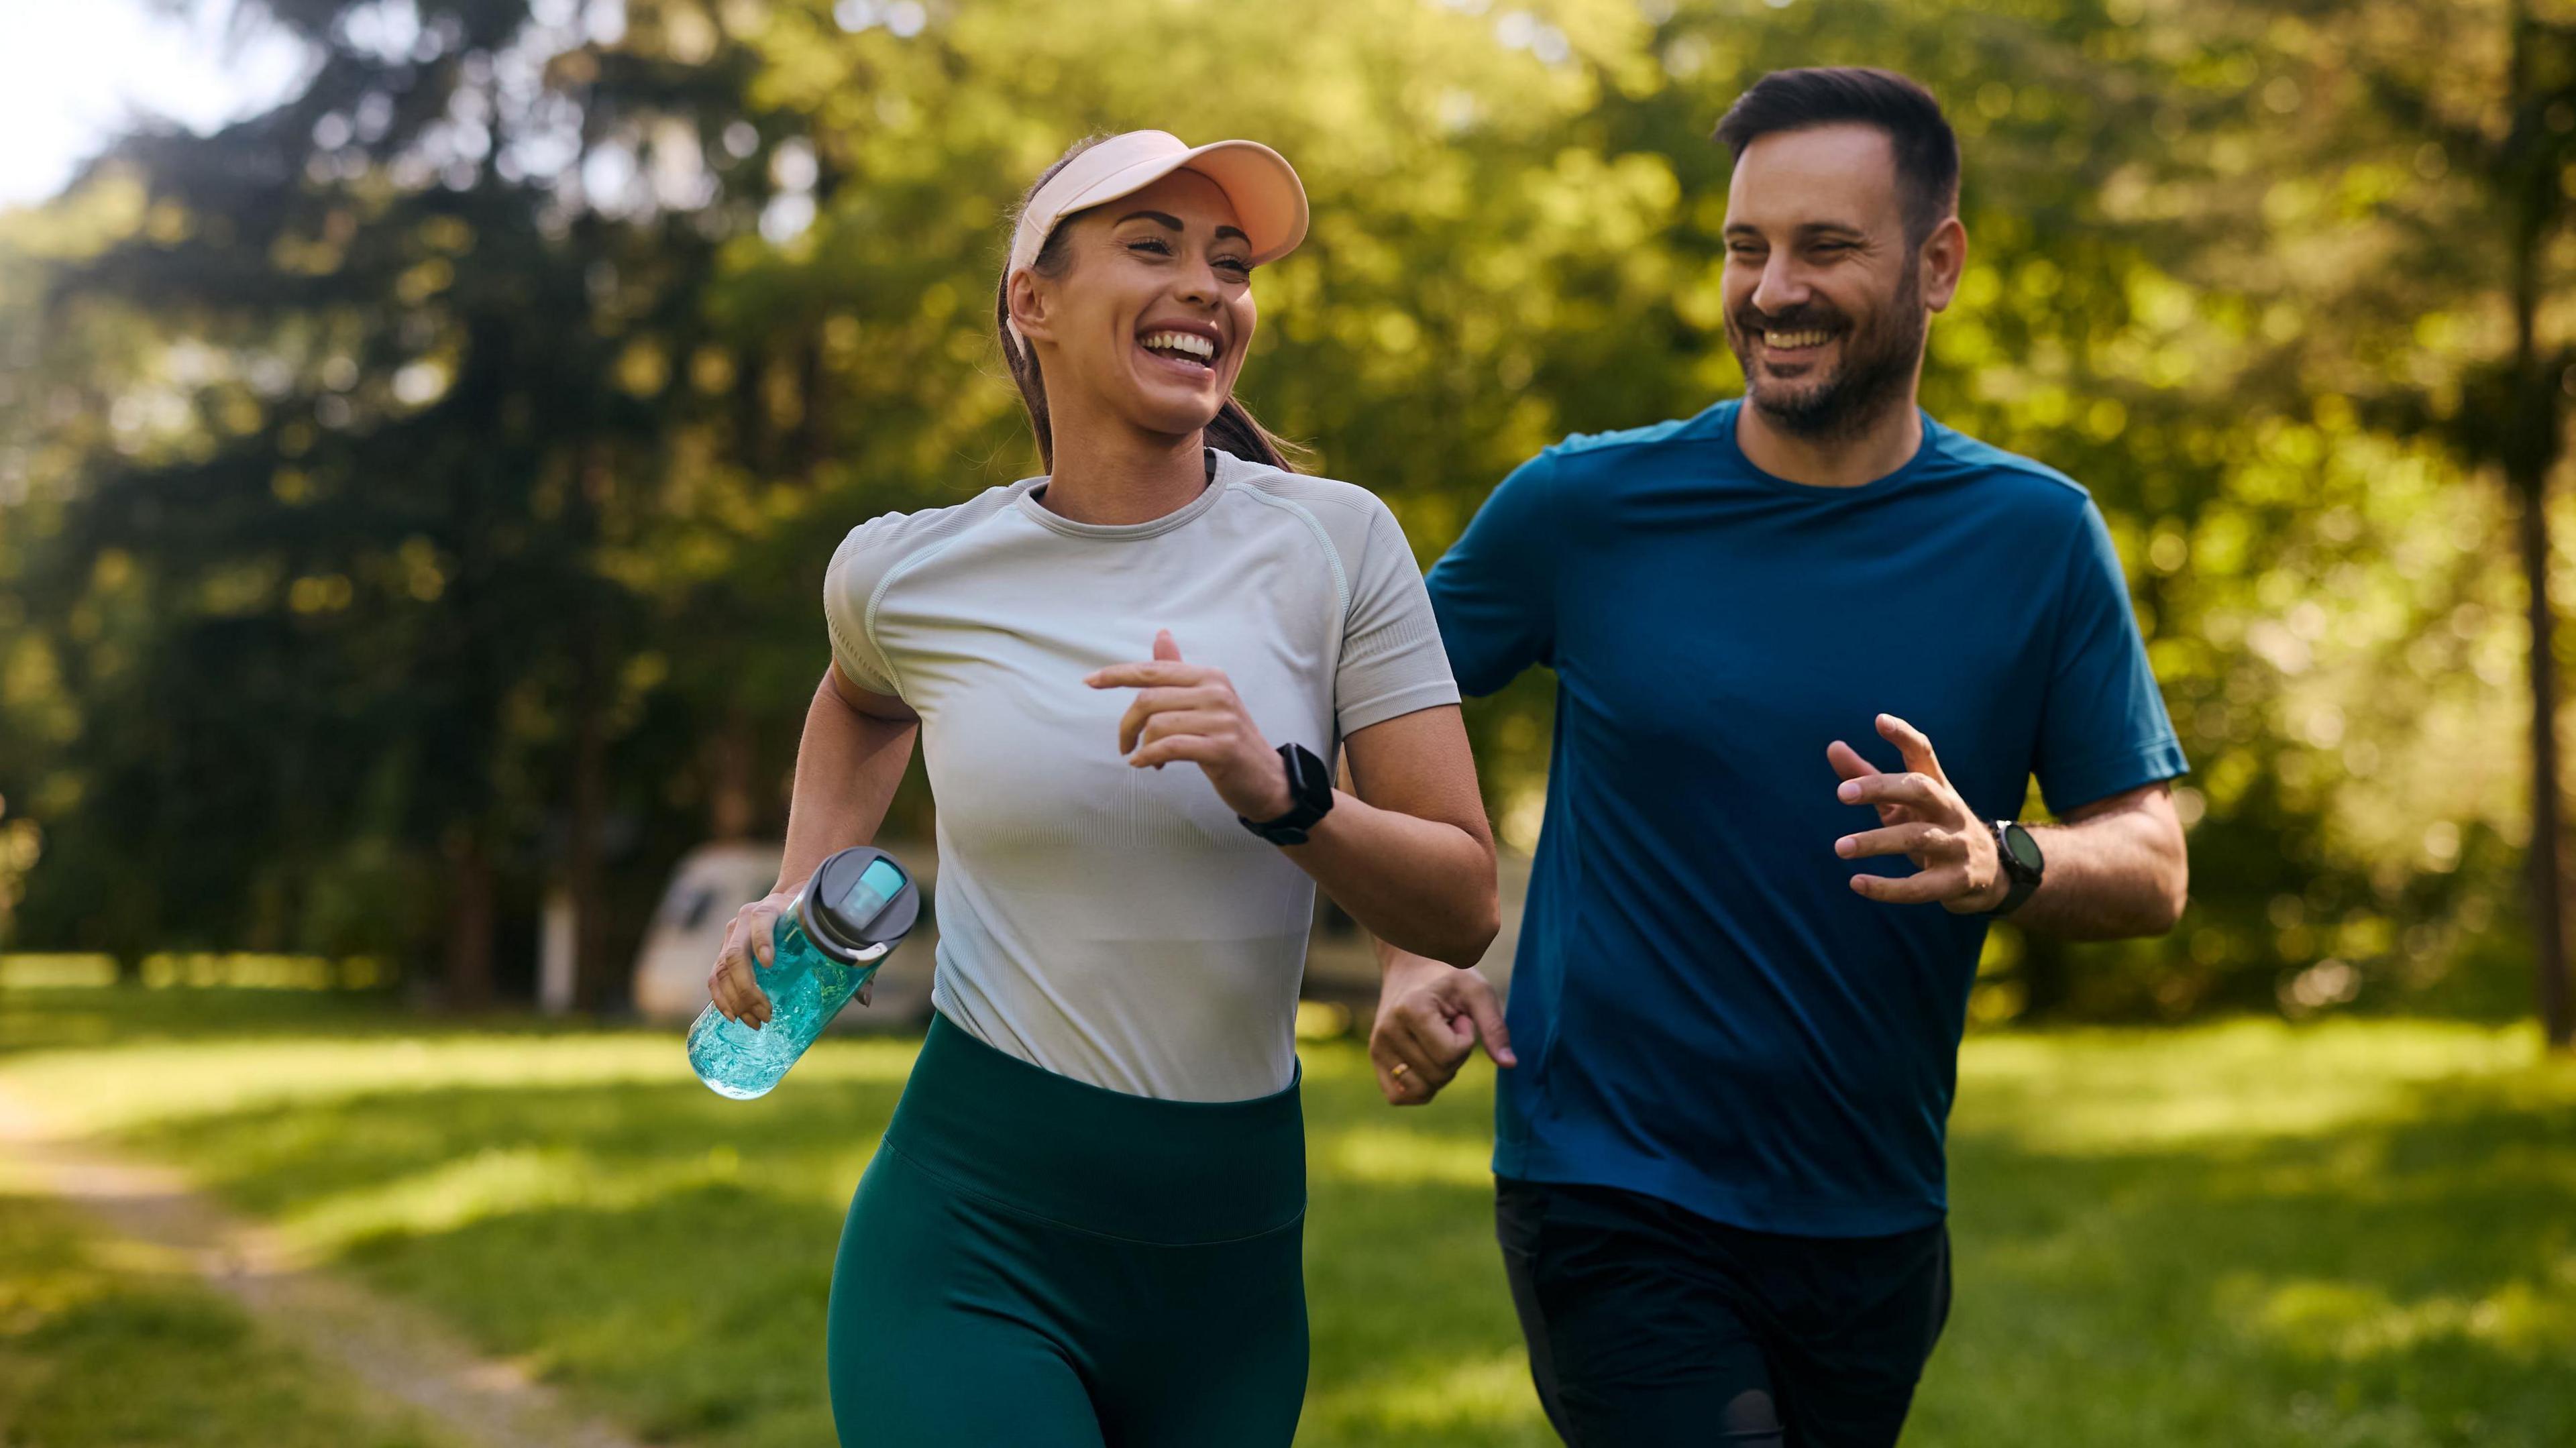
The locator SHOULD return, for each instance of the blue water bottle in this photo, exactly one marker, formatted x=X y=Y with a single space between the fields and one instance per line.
x=836 y=932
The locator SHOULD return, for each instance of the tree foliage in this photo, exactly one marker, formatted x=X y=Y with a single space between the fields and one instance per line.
x=416 y=496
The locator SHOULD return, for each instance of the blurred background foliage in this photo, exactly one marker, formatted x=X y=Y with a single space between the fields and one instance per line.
x=414 y=500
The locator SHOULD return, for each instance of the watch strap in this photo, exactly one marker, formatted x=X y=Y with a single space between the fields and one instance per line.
x=1310 y=796
x=2023 y=881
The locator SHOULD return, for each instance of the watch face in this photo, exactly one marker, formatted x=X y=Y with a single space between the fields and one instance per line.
x=2024 y=849
x=1310 y=783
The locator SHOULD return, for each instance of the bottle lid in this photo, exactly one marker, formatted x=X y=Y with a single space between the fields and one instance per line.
x=859 y=903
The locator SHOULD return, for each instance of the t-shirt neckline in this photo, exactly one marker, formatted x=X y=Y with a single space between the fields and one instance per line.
x=1884 y=483
x=1220 y=466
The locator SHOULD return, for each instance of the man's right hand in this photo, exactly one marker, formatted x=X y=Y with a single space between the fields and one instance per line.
x=1430 y=1017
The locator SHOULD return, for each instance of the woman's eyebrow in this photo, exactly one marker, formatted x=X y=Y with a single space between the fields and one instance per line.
x=1167 y=220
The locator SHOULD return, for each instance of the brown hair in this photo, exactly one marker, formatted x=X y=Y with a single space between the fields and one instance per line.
x=1927 y=152
x=1234 y=429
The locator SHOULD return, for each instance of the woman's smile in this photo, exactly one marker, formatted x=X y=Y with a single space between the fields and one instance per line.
x=1184 y=351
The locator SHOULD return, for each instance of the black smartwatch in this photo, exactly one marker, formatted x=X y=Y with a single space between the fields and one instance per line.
x=2022 y=863
x=1310 y=798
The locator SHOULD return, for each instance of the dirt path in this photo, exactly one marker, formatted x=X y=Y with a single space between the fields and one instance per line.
x=395 y=1350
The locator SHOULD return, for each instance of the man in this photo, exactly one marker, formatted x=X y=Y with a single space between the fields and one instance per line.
x=1734 y=1025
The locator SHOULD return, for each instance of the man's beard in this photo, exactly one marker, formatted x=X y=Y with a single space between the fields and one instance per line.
x=1877 y=365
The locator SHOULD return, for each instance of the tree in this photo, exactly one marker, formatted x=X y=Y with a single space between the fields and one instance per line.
x=411 y=366
x=428 y=485
x=2529 y=159
x=2438 y=140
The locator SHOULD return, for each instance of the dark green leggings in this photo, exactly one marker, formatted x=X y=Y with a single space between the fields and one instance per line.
x=1032 y=1262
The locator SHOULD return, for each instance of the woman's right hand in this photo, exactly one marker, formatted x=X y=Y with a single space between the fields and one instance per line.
x=733 y=985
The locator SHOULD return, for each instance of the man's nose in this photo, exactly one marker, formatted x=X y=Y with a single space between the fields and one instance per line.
x=1781 y=288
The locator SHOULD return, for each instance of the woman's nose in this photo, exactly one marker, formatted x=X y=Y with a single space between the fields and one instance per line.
x=1198 y=285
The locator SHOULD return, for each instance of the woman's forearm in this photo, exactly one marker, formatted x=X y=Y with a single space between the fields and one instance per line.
x=1419 y=884
x=848 y=764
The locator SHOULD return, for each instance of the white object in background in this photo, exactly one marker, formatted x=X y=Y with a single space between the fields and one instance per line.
x=558 y=952
x=713 y=881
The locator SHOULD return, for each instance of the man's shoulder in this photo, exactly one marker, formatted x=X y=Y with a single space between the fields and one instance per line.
x=1627 y=446
x=2008 y=478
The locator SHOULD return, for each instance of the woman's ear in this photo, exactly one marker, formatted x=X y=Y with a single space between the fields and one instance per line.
x=1028 y=300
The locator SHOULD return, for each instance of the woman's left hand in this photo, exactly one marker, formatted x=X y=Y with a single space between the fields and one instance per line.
x=1190 y=711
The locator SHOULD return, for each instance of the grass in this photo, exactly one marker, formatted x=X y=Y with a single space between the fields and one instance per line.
x=98 y=1349
x=2346 y=1234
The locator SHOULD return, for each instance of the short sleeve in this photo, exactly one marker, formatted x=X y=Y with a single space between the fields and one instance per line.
x=2103 y=728
x=1494 y=593
x=1392 y=663
x=858 y=565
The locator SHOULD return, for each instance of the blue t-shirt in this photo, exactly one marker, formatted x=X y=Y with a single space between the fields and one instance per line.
x=1703 y=1008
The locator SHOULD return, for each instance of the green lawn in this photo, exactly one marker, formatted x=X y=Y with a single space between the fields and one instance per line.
x=2359 y=1233
x=98 y=1349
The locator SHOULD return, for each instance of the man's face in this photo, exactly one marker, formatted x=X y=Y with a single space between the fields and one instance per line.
x=1825 y=302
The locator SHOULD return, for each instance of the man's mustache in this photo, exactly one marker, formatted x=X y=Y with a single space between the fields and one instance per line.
x=1801 y=320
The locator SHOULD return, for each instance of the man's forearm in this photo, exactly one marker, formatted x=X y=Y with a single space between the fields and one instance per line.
x=2113 y=872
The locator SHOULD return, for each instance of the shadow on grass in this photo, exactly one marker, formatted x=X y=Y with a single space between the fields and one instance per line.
x=667 y=1254
x=2406 y=1280
x=1413 y=1335
x=664 y=1253
x=99 y=1354
x=54 y=1019
x=2397 y=1274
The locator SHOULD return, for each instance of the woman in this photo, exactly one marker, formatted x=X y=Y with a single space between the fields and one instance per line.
x=1084 y=1224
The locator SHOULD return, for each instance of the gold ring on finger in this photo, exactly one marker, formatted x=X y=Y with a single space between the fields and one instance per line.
x=1396 y=1072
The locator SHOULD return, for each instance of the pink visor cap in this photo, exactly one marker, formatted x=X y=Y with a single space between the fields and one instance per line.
x=1268 y=198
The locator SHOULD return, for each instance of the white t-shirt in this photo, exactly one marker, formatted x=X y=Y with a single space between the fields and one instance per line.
x=1113 y=924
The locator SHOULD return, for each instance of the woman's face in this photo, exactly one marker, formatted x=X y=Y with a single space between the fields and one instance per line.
x=1150 y=318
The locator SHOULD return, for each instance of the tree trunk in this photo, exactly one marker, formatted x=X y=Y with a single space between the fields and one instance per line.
x=2531 y=448
x=733 y=757
x=2047 y=977
x=809 y=394
x=595 y=986
x=470 y=913
x=2548 y=881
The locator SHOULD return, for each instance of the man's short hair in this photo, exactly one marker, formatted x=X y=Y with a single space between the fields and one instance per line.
x=1927 y=151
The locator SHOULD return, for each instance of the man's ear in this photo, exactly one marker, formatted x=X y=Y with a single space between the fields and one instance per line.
x=1028 y=302
x=1944 y=258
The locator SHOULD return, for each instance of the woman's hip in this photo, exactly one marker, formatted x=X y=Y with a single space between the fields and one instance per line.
x=1130 y=1168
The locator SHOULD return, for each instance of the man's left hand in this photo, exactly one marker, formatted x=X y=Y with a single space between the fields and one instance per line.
x=1922 y=818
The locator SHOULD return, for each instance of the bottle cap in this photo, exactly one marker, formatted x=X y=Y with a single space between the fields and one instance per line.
x=859 y=903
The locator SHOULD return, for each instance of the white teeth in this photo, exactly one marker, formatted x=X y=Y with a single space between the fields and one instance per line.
x=1790 y=340
x=1187 y=343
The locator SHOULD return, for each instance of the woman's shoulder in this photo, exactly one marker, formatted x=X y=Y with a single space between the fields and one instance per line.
x=1348 y=513
x=874 y=547
x=1303 y=488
